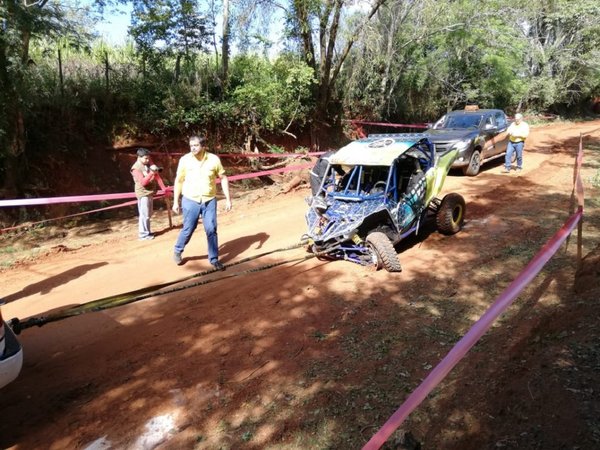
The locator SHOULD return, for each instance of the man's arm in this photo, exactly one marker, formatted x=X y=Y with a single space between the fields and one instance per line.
x=140 y=178
x=177 y=186
x=225 y=187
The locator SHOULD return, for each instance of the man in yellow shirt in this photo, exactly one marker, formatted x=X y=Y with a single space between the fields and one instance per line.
x=517 y=133
x=195 y=181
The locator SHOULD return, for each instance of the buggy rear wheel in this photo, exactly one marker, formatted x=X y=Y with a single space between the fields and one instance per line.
x=451 y=214
x=383 y=251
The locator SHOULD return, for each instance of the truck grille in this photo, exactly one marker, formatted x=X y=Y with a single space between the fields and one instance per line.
x=442 y=146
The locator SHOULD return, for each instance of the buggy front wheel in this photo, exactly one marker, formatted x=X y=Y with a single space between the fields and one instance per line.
x=451 y=214
x=384 y=254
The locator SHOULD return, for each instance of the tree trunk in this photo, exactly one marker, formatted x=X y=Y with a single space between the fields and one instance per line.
x=225 y=46
x=305 y=32
x=177 y=68
x=61 y=80
x=329 y=71
x=106 y=73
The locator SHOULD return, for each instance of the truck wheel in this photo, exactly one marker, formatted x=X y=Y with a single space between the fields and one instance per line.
x=474 y=164
x=451 y=214
x=384 y=253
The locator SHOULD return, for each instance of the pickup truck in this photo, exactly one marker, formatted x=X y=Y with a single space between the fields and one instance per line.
x=479 y=135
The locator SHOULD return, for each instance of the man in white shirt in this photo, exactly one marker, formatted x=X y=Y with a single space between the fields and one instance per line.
x=517 y=133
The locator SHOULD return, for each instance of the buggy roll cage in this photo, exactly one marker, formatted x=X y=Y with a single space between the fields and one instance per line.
x=360 y=182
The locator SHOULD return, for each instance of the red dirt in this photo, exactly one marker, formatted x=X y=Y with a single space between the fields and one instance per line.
x=316 y=354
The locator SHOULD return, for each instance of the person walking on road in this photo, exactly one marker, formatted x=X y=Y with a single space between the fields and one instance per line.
x=195 y=181
x=517 y=133
x=144 y=177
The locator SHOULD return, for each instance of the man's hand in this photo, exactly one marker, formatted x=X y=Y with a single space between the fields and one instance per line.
x=228 y=205
x=175 y=208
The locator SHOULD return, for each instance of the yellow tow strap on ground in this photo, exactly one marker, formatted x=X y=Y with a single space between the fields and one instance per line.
x=151 y=291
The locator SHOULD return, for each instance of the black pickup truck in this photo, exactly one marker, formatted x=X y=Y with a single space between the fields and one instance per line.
x=479 y=135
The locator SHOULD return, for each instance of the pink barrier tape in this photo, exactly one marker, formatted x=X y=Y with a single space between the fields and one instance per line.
x=243 y=155
x=106 y=208
x=397 y=125
x=254 y=155
x=161 y=183
x=590 y=132
x=27 y=225
x=75 y=198
x=578 y=180
x=165 y=191
x=127 y=195
x=268 y=172
x=269 y=155
x=477 y=330
x=70 y=199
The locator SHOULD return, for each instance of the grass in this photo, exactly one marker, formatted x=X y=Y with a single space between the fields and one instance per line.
x=8 y=250
x=595 y=180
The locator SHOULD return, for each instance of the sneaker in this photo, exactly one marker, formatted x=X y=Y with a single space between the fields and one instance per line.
x=218 y=265
x=147 y=238
x=177 y=258
x=506 y=171
x=519 y=169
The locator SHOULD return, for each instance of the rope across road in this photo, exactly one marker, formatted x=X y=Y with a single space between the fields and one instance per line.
x=113 y=301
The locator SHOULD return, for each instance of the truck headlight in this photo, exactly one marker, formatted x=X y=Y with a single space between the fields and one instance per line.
x=461 y=145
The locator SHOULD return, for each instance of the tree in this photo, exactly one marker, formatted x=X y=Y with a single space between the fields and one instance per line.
x=169 y=27
x=562 y=42
x=323 y=19
x=19 y=23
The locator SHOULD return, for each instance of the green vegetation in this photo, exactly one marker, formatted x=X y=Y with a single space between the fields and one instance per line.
x=61 y=88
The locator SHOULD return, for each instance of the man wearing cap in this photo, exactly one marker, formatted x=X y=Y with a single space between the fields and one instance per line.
x=144 y=173
x=197 y=173
x=517 y=133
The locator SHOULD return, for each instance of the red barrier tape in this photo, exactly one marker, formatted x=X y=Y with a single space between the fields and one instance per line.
x=74 y=199
x=484 y=323
x=165 y=190
x=268 y=172
x=578 y=180
x=394 y=125
x=71 y=199
x=470 y=339
x=127 y=195
x=32 y=224
x=241 y=155
x=269 y=155
x=120 y=205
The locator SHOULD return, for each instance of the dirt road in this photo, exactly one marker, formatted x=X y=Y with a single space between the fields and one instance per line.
x=315 y=354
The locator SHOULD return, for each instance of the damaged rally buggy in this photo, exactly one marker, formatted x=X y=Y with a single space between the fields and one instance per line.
x=376 y=191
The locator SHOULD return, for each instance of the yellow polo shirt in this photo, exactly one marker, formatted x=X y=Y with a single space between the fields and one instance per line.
x=198 y=176
x=518 y=133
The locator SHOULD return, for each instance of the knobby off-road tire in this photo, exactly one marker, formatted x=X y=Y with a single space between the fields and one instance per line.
x=451 y=214
x=384 y=252
x=474 y=164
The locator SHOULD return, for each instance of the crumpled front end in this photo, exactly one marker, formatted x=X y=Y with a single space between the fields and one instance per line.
x=333 y=229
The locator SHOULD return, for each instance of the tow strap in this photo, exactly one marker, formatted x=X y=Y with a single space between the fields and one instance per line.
x=112 y=301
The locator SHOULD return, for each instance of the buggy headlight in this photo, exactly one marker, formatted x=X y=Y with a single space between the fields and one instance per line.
x=461 y=145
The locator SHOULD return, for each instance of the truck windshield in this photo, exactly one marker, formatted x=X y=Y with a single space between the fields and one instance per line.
x=459 y=121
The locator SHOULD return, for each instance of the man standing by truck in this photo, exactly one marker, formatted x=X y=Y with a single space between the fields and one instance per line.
x=517 y=133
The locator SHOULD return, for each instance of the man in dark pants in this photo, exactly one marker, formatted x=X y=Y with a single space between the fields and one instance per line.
x=196 y=177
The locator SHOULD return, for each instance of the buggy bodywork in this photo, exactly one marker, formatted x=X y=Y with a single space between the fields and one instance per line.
x=376 y=191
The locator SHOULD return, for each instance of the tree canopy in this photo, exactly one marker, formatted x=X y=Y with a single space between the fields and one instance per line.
x=215 y=65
